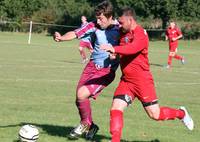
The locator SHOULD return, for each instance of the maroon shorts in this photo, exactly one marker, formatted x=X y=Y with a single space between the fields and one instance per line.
x=85 y=44
x=95 y=79
x=140 y=85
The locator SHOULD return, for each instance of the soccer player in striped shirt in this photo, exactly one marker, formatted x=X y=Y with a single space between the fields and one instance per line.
x=84 y=42
x=100 y=70
x=136 y=80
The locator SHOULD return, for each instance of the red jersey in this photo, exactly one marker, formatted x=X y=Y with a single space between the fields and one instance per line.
x=133 y=50
x=173 y=33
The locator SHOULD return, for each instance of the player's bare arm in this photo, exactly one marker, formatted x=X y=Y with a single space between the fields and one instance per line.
x=107 y=47
x=68 y=36
x=166 y=37
x=177 y=38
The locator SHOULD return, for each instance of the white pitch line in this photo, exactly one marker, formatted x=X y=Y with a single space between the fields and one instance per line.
x=62 y=80
x=33 y=66
x=33 y=80
x=36 y=66
x=177 y=83
x=40 y=61
x=190 y=72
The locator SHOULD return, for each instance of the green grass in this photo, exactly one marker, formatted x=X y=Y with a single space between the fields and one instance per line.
x=38 y=81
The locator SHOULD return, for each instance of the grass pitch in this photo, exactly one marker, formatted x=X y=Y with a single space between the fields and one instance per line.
x=38 y=81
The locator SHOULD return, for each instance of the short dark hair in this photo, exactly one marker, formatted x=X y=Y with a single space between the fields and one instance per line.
x=104 y=7
x=127 y=11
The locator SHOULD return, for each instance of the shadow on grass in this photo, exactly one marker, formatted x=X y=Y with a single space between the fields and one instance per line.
x=70 y=62
x=62 y=131
x=157 y=65
x=156 y=140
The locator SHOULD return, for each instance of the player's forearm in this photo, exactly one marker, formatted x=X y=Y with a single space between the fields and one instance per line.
x=68 y=36
x=179 y=37
x=129 y=49
x=166 y=37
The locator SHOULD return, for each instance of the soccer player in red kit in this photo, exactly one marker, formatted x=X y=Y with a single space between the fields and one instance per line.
x=136 y=80
x=173 y=34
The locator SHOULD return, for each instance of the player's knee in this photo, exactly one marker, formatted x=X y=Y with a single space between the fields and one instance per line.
x=80 y=48
x=82 y=93
x=154 y=115
x=118 y=105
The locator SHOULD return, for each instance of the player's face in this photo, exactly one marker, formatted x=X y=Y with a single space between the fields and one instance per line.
x=125 y=22
x=83 y=19
x=172 y=24
x=103 y=21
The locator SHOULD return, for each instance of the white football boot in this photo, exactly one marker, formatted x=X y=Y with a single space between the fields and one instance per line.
x=79 y=130
x=187 y=120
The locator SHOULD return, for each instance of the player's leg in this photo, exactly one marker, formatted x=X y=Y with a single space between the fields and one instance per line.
x=170 y=56
x=162 y=113
x=83 y=104
x=91 y=83
x=116 y=119
x=166 y=113
x=100 y=79
x=85 y=112
x=120 y=102
x=82 y=53
x=178 y=57
x=147 y=95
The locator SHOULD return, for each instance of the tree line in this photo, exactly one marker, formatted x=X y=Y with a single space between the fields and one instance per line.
x=152 y=14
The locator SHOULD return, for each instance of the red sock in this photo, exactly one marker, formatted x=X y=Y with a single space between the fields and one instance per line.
x=170 y=60
x=85 y=111
x=167 y=113
x=116 y=125
x=178 y=57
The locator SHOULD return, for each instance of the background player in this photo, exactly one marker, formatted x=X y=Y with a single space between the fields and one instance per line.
x=100 y=70
x=84 y=42
x=136 y=79
x=173 y=34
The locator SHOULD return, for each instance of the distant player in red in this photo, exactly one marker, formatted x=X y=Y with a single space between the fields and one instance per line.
x=84 y=42
x=136 y=80
x=173 y=34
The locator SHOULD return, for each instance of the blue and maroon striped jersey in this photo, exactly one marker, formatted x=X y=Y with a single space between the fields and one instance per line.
x=98 y=36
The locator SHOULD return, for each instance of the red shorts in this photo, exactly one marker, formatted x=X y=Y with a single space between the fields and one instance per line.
x=95 y=79
x=140 y=85
x=173 y=47
x=85 y=44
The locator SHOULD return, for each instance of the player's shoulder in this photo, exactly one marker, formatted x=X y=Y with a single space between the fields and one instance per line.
x=140 y=29
x=177 y=28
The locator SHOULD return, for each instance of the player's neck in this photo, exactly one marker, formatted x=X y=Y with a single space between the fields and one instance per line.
x=133 y=26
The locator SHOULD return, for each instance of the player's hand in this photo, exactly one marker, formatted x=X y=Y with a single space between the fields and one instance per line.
x=113 y=56
x=173 y=39
x=107 y=47
x=57 y=36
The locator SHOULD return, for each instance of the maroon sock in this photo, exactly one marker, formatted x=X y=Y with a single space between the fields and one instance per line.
x=85 y=111
x=167 y=113
x=116 y=125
